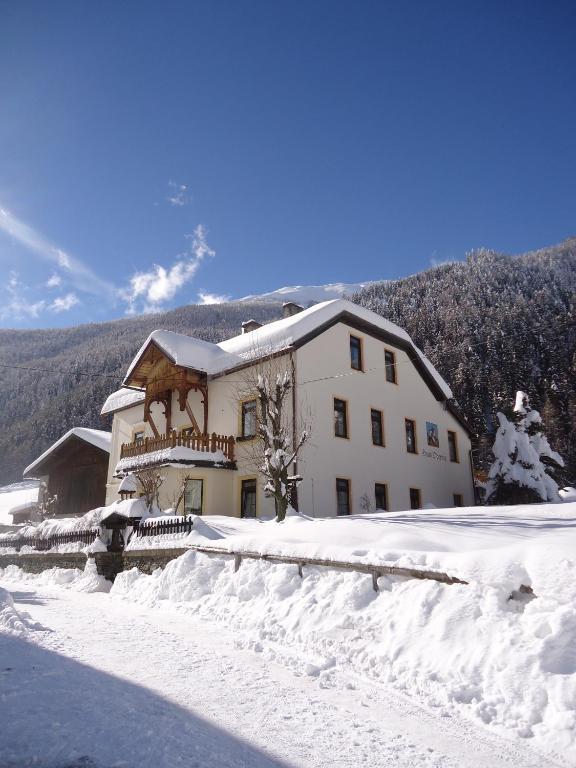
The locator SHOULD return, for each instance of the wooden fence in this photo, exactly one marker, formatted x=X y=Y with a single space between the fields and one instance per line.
x=42 y=544
x=162 y=527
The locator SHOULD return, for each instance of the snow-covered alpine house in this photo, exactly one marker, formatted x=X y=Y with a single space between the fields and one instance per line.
x=384 y=433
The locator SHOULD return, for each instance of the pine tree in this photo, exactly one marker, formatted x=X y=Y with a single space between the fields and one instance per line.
x=525 y=470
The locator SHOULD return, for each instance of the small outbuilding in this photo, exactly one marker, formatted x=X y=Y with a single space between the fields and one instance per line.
x=74 y=470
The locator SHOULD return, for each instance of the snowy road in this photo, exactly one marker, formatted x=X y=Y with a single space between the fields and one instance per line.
x=109 y=684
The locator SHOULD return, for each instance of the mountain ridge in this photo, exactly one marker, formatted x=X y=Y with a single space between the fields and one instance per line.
x=463 y=315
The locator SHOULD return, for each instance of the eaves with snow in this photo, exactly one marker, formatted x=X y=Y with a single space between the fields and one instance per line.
x=96 y=437
x=214 y=360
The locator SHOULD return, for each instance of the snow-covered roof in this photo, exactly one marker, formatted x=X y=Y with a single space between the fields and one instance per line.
x=96 y=437
x=122 y=398
x=214 y=359
x=15 y=497
x=188 y=352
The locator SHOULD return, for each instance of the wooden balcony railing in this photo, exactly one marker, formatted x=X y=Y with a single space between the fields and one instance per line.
x=206 y=443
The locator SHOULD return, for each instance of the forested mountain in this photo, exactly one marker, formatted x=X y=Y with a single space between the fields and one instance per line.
x=76 y=369
x=494 y=324
x=491 y=324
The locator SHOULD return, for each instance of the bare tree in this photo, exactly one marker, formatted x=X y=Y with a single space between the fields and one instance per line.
x=178 y=494
x=280 y=432
x=150 y=482
x=48 y=505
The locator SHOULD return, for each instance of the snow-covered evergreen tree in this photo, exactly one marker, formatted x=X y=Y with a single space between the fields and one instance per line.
x=525 y=470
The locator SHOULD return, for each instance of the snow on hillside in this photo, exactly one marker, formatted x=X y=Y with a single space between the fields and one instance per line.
x=306 y=294
x=16 y=496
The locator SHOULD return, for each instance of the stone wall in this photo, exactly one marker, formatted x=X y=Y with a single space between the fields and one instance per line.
x=108 y=564
x=37 y=562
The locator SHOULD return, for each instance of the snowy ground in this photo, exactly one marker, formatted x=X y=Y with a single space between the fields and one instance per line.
x=92 y=680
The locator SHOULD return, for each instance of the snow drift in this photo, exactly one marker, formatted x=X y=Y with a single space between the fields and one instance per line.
x=490 y=649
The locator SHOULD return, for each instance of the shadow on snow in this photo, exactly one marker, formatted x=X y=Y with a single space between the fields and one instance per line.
x=59 y=713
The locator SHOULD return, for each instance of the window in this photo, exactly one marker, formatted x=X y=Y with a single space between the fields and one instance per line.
x=458 y=500
x=249 y=420
x=390 y=365
x=343 y=496
x=415 y=500
x=377 y=427
x=410 y=436
x=187 y=431
x=139 y=436
x=340 y=418
x=193 y=497
x=453 y=446
x=356 y=353
x=381 y=496
x=248 y=498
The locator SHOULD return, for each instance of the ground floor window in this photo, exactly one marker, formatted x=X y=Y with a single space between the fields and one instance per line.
x=381 y=496
x=248 y=498
x=415 y=498
x=458 y=500
x=343 y=496
x=193 y=497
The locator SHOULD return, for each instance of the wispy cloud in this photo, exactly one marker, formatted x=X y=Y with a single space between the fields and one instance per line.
x=64 y=303
x=212 y=298
x=148 y=291
x=17 y=306
x=78 y=273
x=54 y=281
x=178 y=195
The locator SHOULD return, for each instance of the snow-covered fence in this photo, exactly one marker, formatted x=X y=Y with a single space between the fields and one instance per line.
x=42 y=544
x=159 y=527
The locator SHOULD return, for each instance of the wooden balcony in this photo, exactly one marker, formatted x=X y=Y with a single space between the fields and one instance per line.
x=205 y=443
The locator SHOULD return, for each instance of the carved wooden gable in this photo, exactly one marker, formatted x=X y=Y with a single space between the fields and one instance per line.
x=159 y=376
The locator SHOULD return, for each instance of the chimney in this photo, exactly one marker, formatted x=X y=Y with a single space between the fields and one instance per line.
x=290 y=308
x=250 y=325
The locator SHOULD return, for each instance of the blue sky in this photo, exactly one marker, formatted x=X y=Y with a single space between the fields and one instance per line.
x=155 y=153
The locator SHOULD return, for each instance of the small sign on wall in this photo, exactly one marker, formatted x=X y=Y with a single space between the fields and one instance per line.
x=432 y=434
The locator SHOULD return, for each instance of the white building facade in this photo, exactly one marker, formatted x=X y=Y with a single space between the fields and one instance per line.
x=384 y=433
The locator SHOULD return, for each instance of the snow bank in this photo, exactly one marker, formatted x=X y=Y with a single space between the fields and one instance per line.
x=488 y=649
x=87 y=580
x=11 y=622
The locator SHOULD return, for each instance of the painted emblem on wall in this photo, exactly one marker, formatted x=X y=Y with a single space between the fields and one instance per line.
x=432 y=434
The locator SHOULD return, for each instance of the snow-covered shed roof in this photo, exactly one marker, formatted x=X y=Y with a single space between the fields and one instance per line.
x=122 y=398
x=128 y=484
x=216 y=359
x=96 y=437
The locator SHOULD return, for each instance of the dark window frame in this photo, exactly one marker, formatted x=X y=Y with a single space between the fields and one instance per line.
x=248 y=485
x=380 y=421
x=344 y=414
x=415 y=494
x=243 y=413
x=383 y=488
x=343 y=486
x=412 y=431
x=356 y=346
x=453 y=447
x=191 y=511
x=390 y=367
